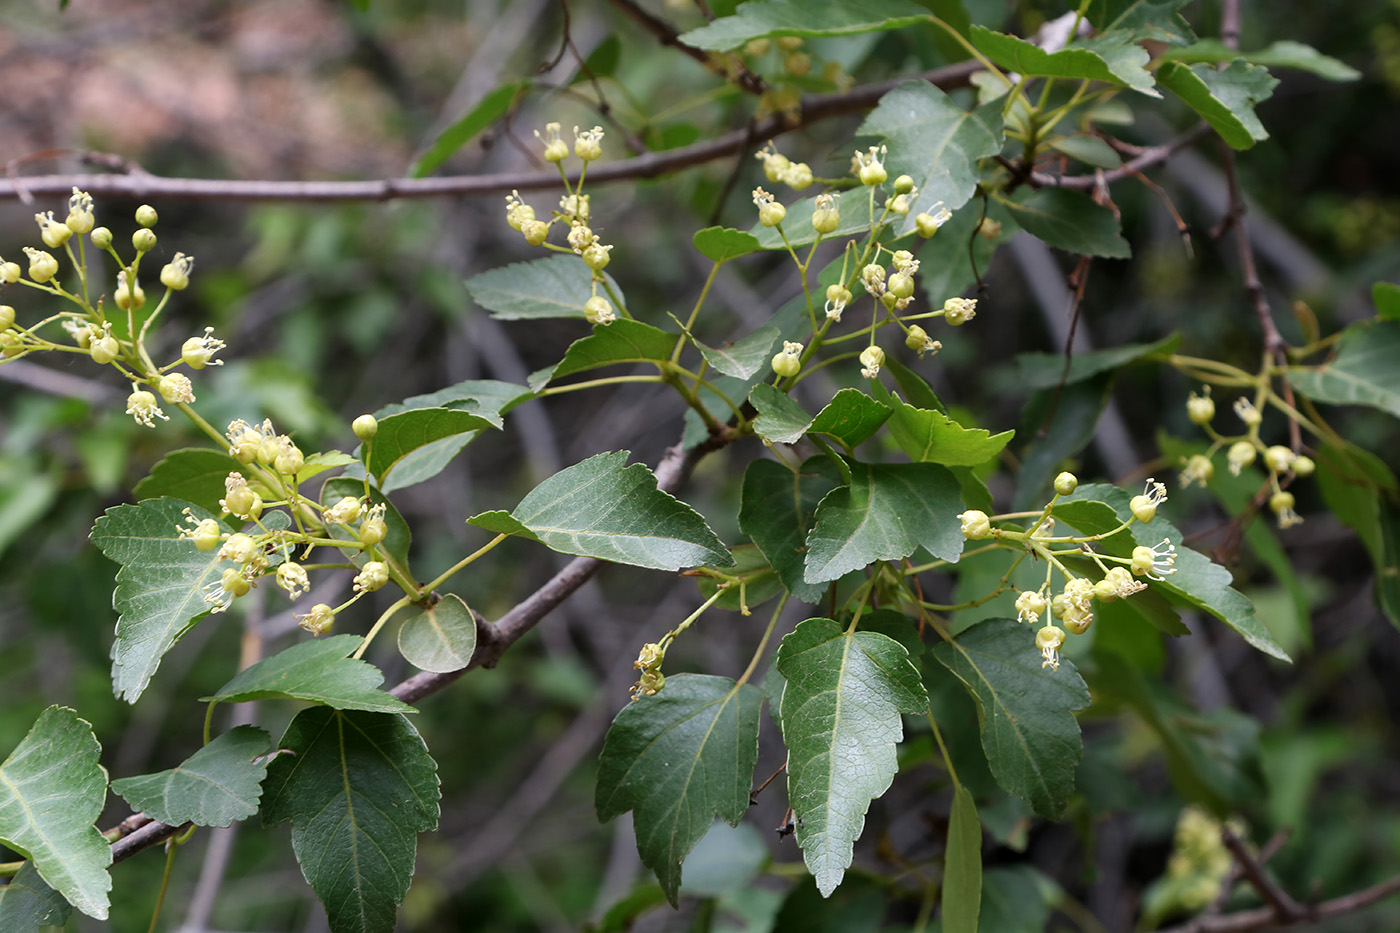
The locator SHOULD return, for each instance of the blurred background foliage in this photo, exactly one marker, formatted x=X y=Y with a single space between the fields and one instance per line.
x=333 y=310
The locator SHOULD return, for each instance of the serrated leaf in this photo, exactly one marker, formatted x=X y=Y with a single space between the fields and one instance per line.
x=317 y=671
x=780 y=420
x=358 y=788
x=1386 y=297
x=851 y=417
x=51 y=791
x=841 y=722
x=622 y=341
x=216 y=786
x=193 y=474
x=603 y=508
x=1157 y=20
x=1028 y=732
x=1071 y=221
x=887 y=512
x=1098 y=508
x=400 y=435
x=439 y=639
x=806 y=18
x=485 y=397
x=929 y=436
x=496 y=104
x=776 y=510
x=397 y=536
x=1224 y=99
x=676 y=759
x=27 y=904
x=1363 y=371
x=1114 y=59
x=1284 y=54
x=744 y=357
x=556 y=286
x=935 y=142
x=962 y=872
x=721 y=244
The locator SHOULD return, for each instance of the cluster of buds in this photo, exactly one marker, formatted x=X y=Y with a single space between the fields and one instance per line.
x=246 y=552
x=779 y=169
x=264 y=446
x=649 y=661
x=905 y=194
x=1200 y=862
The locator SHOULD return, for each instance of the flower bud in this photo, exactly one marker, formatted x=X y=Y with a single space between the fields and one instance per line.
x=1281 y=502
x=786 y=365
x=144 y=240
x=142 y=406
x=125 y=297
x=871 y=359
x=10 y=272
x=197 y=352
x=372 y=576
x=771 y=213
x=789 y=43
x=927 y=224
x=598 y=310
x=234 y=583
x=798 y=64
x=365 y=427
x=1029 y=605
x=373 y=529
x=42 y=266
x=101 y=237
x=756 y=47
x=989 y=229
x=588 y=145
x=242 y=502
x=1106 y=590
x=175 y=388
x=1240 y=455
x=535 y=231
x=1303 y=466
x=146 y=215
x=827 y=216
x=1200 y=408
x=292 y=578
x=1198 y=469
x=1079 y=625
x=11 y=344
x=958 y=311
x=1278 y=459
x=7 y=316
x=838 y=294
x=1066 y=483
x=176 y=273
x=289 y=461
x=344 y=512
x=903 y=184
x=53 y=233
x=1143 y=508
x=798 y=176
x=917 y=338
x=319 y=620
x=596 y=257
x=240 y=548
x=900 y=285
x=869 y=167
x=975 y=524
x=206 y=534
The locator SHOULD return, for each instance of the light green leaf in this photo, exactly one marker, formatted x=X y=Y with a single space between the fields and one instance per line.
x=605 y=509
x=1225 y=99
x=962 y=871
x=780 y=420
x=439 y=639
x=622 y=341
x=806 y=18
x=1284 y=54
x=887 y=512
x=841 y=722
x=1091 y=150
x=1363 y=371
x=1028 y=732
x=484 y=397
x=402 y=434
x=797 y=224
x=500 y=522
x=496 y=104
x=217 y=785
x=1386 y=297
x=1135 y=20
x=744 y=357
x=27 y=904
x=27 y=491
x=1072 y=222
x=358 y=788
x=1045 y=370
x=556 y=286
x=51 y=791
x=851 y=417
x=193 y=474
x=317 y=671
x=929 y=436
x=1114 y=59
x=676 y=759
x=397 y=537
x=776 y=510
x=1098 y=508
x=721 y=244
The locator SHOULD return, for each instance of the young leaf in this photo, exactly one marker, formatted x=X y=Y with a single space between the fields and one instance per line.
x=496 y=104
x=808 y=18
x=317 y=671
x=622 y=341
x=1045 y=370
x=556 y=286
x=721 y=244
x=602 y=508
x=439 y=639
x=27 y=904
x=216 y=786
x=929 y=436
x=1114 y=59
x=962 y=872
x=841 y=722
x=1072 y=222
x=1225 y=99
x=676 y=759
x=358 y=788
x=402 y=434
x=51 y=791
x=776 y=509
x=1363 y=371
x=851 y=417
x=1284 y=54
x=780 y=420
x=887 y=512
x=193 y=474
x=1028 y=732
x=744 y=357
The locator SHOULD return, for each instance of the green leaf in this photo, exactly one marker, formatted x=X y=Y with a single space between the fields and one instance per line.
x=216 y=786
x=1098 y=508
x=496 y=104
x=776 y=510
x=27 y=491
x=1386 y=297
x=500 y=522
x=676 y=759
x=1045 y=370
x=486 y=397
x=603 y=60
x=1028 y=732
x=400 y=435
x=935 y=142
x=1072 y=222
x=929 y=436
x=807 y=18
x=317 y=671
x=851 y=417
x=397 y=537
x=1157 y=20
x=1363 y=371
x=946 y=259
x=887 y=512
x=51 y=791
x=744 y=357
x=27 y=903
x=193 y=474
x=1076 y=415
x=721 y=244
x=605 y=509
x=1114 y=59
x=622 y=341
x=556 y=286
x=841 y=722
x=439 y=639
x=962 y=871
x=358 y=788
x=1091 y=150
x=1284 y=54
x=780 y=420
x=1353 y=482
x=1225 y=99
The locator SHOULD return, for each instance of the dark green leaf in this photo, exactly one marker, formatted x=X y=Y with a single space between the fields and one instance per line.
x=602 y=61
x=1114 y=59
x=721 y=244
x=841 y=722
x=914 y=386
x=929 y=436
x=193 y=474
x=1225 y=99
x=745 y=356
x=962 y=866
x=622 y=341
x=496 y=104
x=887 y=512
x=946 y=260
x=1135 y=20
x=858 y=906
x=676 y=759
x=27 y=903
x=358 y=788
x=1028 y=732
x=1017 y=900
x=807 y=18
x=317 y=671
x=557 y=286
x=780 y=420
x=639 y=525
x=1386 y=297
x=851 y=417
x=1076 y=415
x=217 y=785
x=401 y=434
x=1072 y=222
x=51 y=791
x=1363 y=371
x=439 y=639
x=1044 y=370
x=484 y=397
x=776 y=509
x=1285 y=54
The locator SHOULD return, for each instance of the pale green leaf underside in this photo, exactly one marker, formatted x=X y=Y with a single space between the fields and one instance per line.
x=805 y=18
x=1283 y=54
x=744 y=357
x=316 y=671
x=439 y=639
x=780 y=420
x=556 y=286
x=217 y=785
x=401 y=434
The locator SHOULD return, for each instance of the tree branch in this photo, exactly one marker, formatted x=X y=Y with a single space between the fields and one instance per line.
x=667 y=35
x=1152 y=155
x=1266 y=918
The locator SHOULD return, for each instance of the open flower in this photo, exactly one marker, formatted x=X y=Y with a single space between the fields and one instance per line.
x=1154 y=563
x=1048 y=640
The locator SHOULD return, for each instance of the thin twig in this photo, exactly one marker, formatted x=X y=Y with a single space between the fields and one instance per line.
x=1153 y=155
x=1264 y=918
x=1284 y=906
